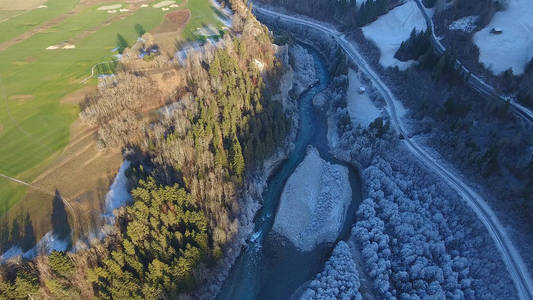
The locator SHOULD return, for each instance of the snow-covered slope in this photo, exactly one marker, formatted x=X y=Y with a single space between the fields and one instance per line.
x=118 y=194
x=360 y=108
x=513 y=48
x=391 y=29
x=511 y=257
x=313 y=203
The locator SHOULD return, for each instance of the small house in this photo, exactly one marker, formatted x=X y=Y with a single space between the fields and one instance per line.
x=496 y=30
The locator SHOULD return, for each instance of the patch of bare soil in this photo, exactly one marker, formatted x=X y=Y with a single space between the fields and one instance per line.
x=172 y=22
x=79 y=96
x=166 y=34
x=20 y=4
x=21 y=97
x=180 y=17
x=30 y=59
x=167 y=81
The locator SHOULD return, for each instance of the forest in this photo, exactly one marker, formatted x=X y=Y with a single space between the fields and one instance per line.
x=188 y=167
x=417 y=239
x=345 y=12
x=482 y=138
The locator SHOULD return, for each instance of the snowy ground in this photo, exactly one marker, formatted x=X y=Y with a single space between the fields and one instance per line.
x=313 y=203
x=485 y=269
x=109 y=7
x=391 y=29
x=360 y=108
x=118 y=194
x=466 y=24
x=164 y=3
x=194 y=47
x=46 y=244
x=207 y=30
x=514 y=47
x=225 y=11
x=339 y=280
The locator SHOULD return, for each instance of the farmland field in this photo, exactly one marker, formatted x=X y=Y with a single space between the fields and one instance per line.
x=202 y=13
x=45 y=53
x=28 y=20
x=6 y=14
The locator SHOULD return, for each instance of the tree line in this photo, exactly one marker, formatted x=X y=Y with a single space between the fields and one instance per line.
x=420 y=48
x=189 y=165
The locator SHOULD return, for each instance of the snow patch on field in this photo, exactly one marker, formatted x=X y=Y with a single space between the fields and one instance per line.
x=260 y=65
x=466 y=24
x=164 y=3
x=313 y=203
x=12 y=252
x=513 y=48
x=118 y=194
x=226 y=12
x=46 y=244
x=208 y=30
x=391 y=29
x=360 y=108
x=339 y=280
x=110 y=7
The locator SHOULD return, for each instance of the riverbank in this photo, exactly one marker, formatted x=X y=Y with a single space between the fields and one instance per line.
x=271 y=267
x=257 y=181
x=397 y=187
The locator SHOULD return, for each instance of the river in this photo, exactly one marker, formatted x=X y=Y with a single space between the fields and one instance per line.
x=269 y=266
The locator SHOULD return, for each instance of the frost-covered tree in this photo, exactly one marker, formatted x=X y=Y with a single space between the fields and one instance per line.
x=418 y=240
x=339 y=280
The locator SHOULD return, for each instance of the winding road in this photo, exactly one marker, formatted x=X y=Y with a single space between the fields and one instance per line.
x=474 y=81
x=512 y=259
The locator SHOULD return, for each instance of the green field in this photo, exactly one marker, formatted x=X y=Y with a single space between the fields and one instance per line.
x=10 y=192
x=33 y=123
x=28 y=20
x=4 y=14
x=202 y=13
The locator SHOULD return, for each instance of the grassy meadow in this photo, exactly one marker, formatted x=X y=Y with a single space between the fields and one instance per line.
x=6 y=14
x=202 y=13
x=17 y=23
x=34 y=122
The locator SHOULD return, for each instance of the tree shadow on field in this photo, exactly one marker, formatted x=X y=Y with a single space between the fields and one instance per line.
x=4 y=234
x=21 y=234
x=59 y=218
x=219 y=14
x=28 y=237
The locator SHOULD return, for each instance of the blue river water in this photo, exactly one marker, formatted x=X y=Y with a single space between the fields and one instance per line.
x=269 y=266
